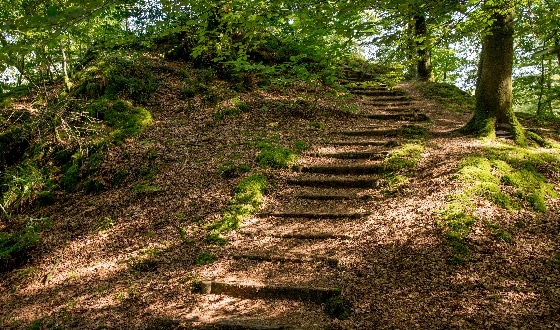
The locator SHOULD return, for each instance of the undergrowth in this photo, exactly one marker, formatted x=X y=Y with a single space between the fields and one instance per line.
x=15 y=245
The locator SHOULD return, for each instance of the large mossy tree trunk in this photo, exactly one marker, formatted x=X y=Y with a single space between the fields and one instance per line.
x=494 y=86
x=424 y=62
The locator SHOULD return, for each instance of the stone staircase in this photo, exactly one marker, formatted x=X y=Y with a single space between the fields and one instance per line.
x=288 y=262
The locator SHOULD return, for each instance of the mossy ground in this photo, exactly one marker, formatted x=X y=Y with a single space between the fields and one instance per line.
x=510 y=177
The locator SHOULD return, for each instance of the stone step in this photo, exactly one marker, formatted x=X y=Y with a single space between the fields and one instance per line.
x=377 y=92
x=406 y=131
x=387 y=103
x=373 y=132
x=297 y=235
x=399 y=116
x=391 y=109
x=377 y=143
x=334 y=182
x=344 y=169
x=325 y=197
x=332 y=262
x=371 y=155
x=313 y=215
x=311 y=294
x=398 y=98
x=237 y=325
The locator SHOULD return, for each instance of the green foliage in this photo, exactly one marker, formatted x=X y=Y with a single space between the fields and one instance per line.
x=93 y=186
x=228 y=112
x=148 y=173
x=71 y=178
x=505 y=175
x=188 y=92
x=338 y=307
x=275 y=156
x=205 y=258
x=554 y=261
x=246 y=201
x=448 y=96
x=456 y=219
x=21 y=185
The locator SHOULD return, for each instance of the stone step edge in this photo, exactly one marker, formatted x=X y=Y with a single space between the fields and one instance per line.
x=352 y=155
x=341 y=169
x=333 y=197
x=332 y=262
x=335 y=183
x=398 y=116
x=390 y=143
x=325 y=197
x=306 y=215
x=317 y=295
x=237 y=325
x=306 y=236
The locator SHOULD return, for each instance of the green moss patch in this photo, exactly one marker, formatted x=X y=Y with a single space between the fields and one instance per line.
x=125 y=119
x=246 y=201
x=510 y=178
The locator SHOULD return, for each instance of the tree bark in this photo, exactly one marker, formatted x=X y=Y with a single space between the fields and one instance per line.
x=64 y=68
x=424 y=62
x=494 y=109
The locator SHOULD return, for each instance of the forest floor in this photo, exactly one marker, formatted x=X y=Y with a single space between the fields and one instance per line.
x=128 y=259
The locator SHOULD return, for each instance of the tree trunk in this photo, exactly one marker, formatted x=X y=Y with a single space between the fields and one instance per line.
x=540 y=106
x=64 y=68
x=424 y=64
x=494 y=112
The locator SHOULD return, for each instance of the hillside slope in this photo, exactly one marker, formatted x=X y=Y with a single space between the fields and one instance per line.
x=378 y=211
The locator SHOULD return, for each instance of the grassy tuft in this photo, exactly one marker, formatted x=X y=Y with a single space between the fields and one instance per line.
x=205 y=258
x=404 y=157
x=275 y=156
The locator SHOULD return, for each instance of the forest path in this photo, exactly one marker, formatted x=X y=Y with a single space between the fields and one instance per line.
x=287 y=267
